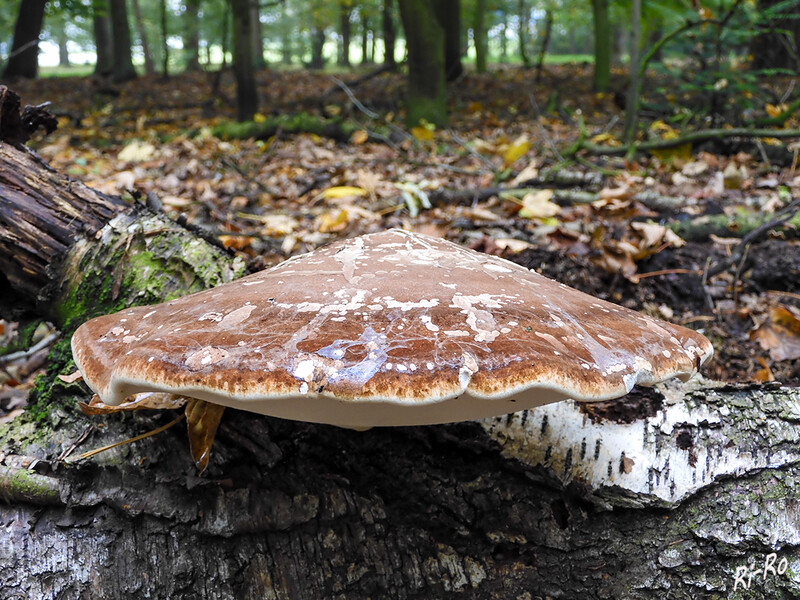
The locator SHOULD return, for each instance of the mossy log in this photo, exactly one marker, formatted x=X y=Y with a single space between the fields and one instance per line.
x=685 y=491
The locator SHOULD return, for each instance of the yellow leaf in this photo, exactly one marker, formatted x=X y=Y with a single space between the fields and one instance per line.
x=680 y=152
x=359 y=137
x=342 y=191
x=516 y=150
x=537 y=205
x=605 y=138
x=259 y=118
x=423 y=133
x=332 y=221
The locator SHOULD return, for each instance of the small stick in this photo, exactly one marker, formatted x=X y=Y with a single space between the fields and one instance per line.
x=148 y=434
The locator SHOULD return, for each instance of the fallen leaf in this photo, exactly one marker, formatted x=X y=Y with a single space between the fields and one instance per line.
x=342 y=191
x=516 y=150
x=137 y=151
x=780 y=335
x=537 y=205
x=333 y=220
x=71 y=378
x=359 y=137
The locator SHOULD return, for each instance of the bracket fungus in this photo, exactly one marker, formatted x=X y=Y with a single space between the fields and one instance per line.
x=392 y=328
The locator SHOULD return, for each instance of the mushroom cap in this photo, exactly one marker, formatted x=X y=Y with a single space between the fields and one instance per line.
x=392 y=328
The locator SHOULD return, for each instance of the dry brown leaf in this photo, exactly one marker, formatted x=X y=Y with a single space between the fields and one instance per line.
x=780 y=335
x=71 y=378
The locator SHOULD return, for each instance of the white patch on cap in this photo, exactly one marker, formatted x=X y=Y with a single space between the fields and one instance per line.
x=205 y=357
x=304 y=370
x=235 y=317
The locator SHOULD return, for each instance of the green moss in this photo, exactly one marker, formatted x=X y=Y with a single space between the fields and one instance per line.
x=335 y=128
x=20 y=484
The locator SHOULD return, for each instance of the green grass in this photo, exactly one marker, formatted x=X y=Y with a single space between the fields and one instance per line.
x=72 y=71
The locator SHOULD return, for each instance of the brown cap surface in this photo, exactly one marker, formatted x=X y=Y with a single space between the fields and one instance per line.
x=393 y=328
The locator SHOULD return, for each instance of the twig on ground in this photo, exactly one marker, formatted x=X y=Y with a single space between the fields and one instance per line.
x=41 y=344
x=781 y=217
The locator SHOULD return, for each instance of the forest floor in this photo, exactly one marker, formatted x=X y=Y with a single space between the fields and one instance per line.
x=674 y=233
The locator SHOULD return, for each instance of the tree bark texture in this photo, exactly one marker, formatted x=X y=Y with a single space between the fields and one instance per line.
x=668 y=493
x=243 y=61
x=426 y=63
x=191 y=35
x=101 y=26
x=448 y=13
x=149 y=65
x=122 y=69
x=23 y=60
x=389 y=31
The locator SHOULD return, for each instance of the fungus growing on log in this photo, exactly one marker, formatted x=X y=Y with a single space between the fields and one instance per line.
x=392 y=328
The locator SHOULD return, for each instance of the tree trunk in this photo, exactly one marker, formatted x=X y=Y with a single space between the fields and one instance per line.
x=63 y=49
x=23 y=60
x=389 y=31
x=632 y=98
x=345 y=9
x=317 y=46
x=122 y=68
x=448 y=13
x=480 y=36
x=191 y=35
x=546 y=32
x=366 y=35
x=258 y=36
x=149 y=66
x=524 y=17
x=102 y=39
x=243 y=67
x=426 y=63
x=164 y=38
x=602 y=45
x=503 y=36
x=286 y=38
x=679 y=492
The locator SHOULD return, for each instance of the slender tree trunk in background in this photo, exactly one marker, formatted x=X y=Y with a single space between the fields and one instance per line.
x=448 y=13
x=602 y=45
x=548 y=28
x=23 y=60
x=632 y=98
x=149 y=66
x=101 y=24
x=243 y=63
x=63 y=50
x=258 y=36
x=480 y=36
x=660 y=499
x=503 y=36
x=778 y=44
x=164 y=38
x=286 y=38
x=365 y=58
x=122 y=68
x=389 y=31
x=426 y=63
x=317 y=46
x=191 y=35
x=524 y=17
x=345 y=9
